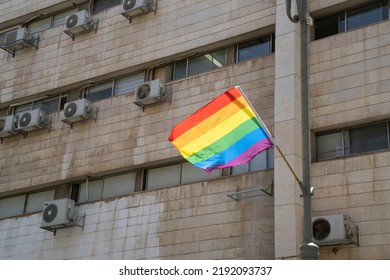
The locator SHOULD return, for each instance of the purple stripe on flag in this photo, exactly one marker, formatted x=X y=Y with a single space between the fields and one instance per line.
x=247 y=155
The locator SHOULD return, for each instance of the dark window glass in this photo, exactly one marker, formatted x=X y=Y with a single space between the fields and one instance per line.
x=100 y=92
x=353 y=141
x=206 y=62
x=364 y=15
x=254 y=48
x=326 y=26
x=351 y=19
x=100 y=5
x=370 y=138
x=180 y=70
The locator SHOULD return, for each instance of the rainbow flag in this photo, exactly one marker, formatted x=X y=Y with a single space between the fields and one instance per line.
x=223 y=133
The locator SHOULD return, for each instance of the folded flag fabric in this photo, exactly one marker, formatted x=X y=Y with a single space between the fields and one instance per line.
x=223 y=133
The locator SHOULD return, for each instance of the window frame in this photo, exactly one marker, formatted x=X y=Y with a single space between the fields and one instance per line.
x=345 y=134
x=26 y=197
x=342 y=18
x=271 y=47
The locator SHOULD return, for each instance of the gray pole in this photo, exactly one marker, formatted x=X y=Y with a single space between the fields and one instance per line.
x=308 y=250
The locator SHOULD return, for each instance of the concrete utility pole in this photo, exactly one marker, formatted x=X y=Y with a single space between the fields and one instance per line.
x=308 y=250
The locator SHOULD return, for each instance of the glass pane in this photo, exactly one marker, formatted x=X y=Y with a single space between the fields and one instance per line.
x=166 y=176
x=180 y=70
x=218 y=59
x=128 y=84
x=270 y=157
x=35 y=201
x=2 y=38
x=13 y=206
x=254 y=48
x=100 y=92
x=49 y=105
x=199 y=64
x=259 y=162
x=39 y=25
x=240 y=169
x=95 y=189
x=329 y=145
x=368 y=138
x=364 y=15
x=59 y=19
x=119 y=185
x=326 y=26
x=23 y=108
x=190 y=173
x=99 y=5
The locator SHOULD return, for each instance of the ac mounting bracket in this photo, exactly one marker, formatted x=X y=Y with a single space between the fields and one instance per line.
x=93 y=27
x=254 y=191
x=152 y=6
x=78 y=222
x=93 y=116
x=33 y=42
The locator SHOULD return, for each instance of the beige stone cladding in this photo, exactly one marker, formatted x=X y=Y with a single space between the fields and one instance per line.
x=197 y=221
x=349 y=86
x=123 y=135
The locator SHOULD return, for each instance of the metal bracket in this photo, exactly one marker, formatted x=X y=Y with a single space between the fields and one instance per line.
x=93 y=27
x=12 y=48
x=152 y=6
x=82 y=220
x=239 y=194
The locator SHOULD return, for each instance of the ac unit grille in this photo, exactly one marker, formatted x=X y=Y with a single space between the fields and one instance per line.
x=71 y=21
x=50 y=213
x=70 y=110
x=129 y=4
x=321 y=229
x=25 y=119
x=11 y=37
x=143 y=91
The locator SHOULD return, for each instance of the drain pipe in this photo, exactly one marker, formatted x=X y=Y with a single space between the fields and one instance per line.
x=307 y=250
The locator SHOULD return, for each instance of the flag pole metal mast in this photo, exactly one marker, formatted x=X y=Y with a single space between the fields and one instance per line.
x=307 y=250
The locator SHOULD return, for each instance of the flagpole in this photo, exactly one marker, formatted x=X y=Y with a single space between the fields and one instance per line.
x=271 y=137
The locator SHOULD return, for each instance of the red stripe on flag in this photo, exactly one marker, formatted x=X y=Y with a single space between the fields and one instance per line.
x=205 y=112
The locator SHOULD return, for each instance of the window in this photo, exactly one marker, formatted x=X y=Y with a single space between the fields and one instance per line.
x=24 y=204
x=108 y=187
x=39 y=25
x=352 y=141
x=100 y=92
x=49 y=105
x=263 y=161
x=115 y=87
x=49 y=22
x=100 y=5
x=128 y=84
x=199 y=64
x=255 y=48
x=352 y=19
x=220 y=58
x=176 y=174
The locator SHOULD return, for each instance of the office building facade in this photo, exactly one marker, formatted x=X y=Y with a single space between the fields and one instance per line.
x=89 y=93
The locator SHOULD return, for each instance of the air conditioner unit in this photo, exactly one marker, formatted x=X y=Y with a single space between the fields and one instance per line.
x=17 y=38
x=131 y=8
x=31 y=120
x=58 y=213
x=76 y=111
x=8 y=125
x=77 y=23
x=149 y=93
x=332 y=229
